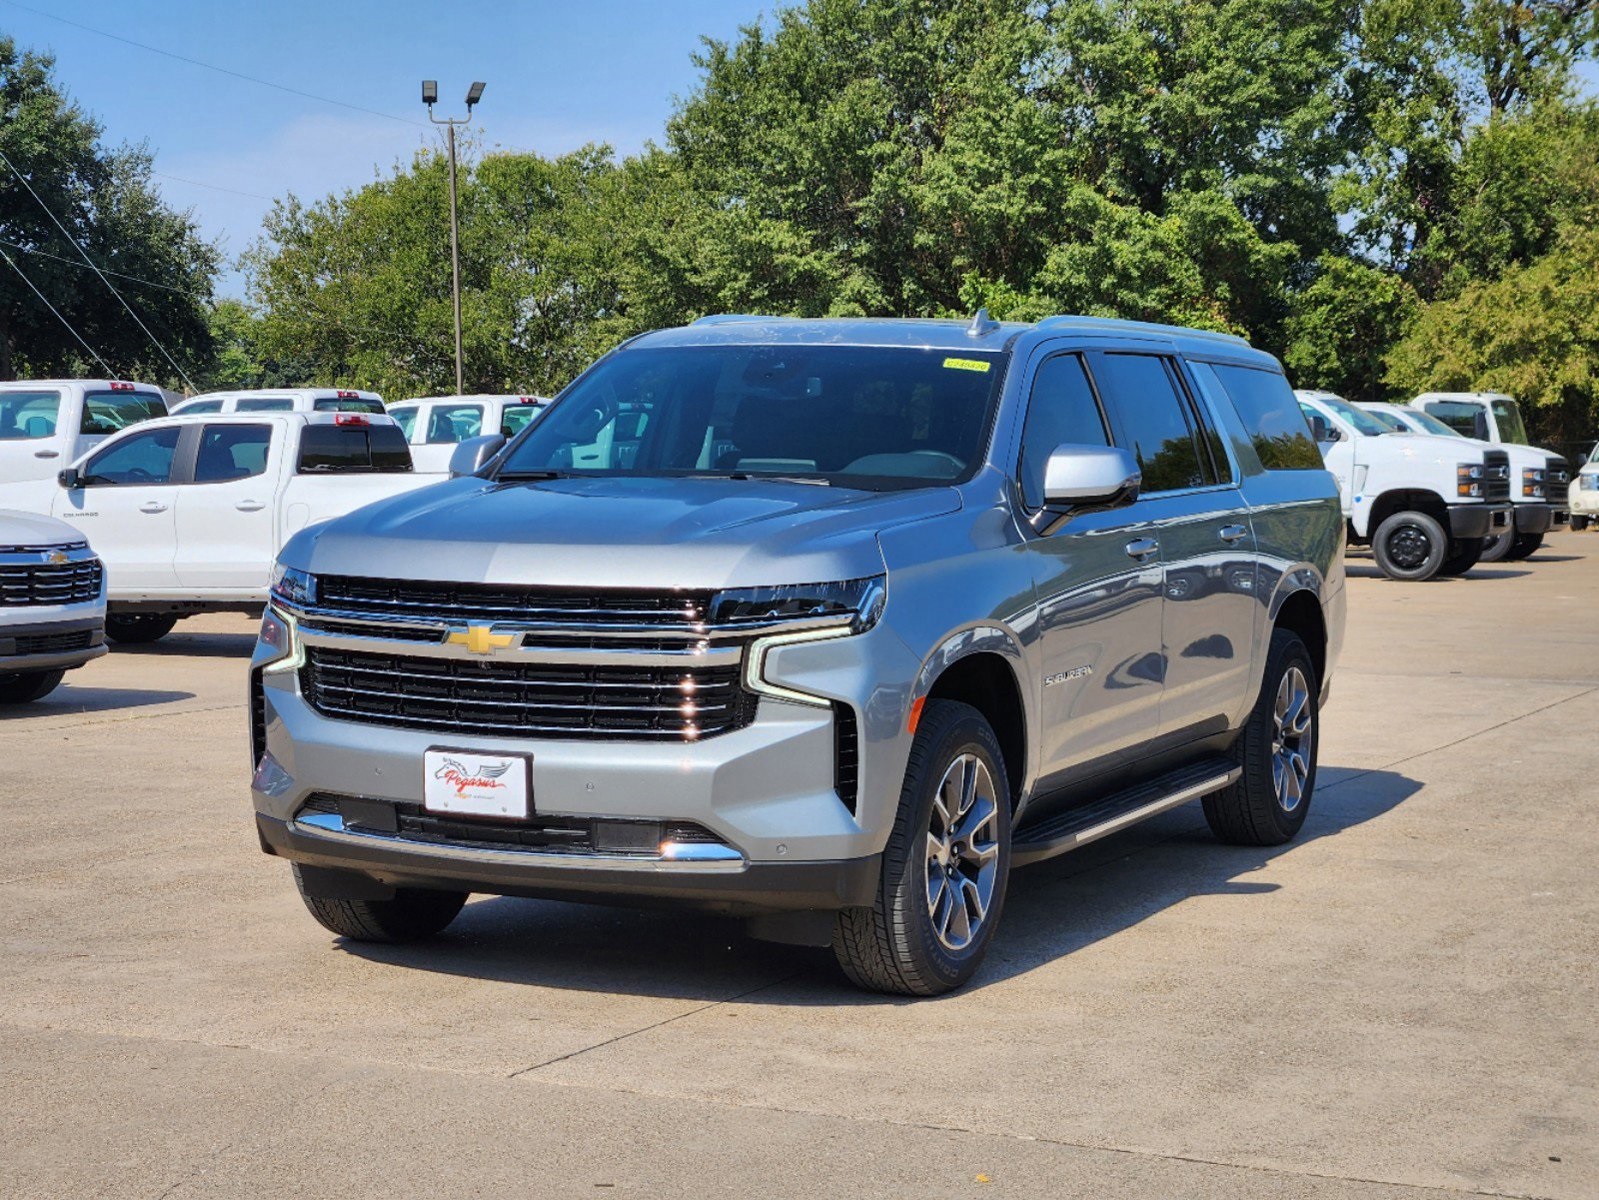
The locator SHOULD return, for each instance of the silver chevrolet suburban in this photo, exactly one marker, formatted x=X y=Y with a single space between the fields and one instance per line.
x=823 y=623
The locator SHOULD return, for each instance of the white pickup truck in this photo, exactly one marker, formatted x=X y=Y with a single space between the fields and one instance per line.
x=189 y=512
x=47 y=423
x=1425 y=504
x=436 y=425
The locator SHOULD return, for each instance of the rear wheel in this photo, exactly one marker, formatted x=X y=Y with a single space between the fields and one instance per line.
x=1463 y=555
x=1578 y=524
x=1411 y=546
x=411 y=915
x=28 y=686
x=945 y=866
x=1276 y=752
x=1498 y=547
x=138 y=629
x=1525 y=546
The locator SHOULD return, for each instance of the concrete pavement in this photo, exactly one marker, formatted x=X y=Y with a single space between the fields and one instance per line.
x=1401 y=1003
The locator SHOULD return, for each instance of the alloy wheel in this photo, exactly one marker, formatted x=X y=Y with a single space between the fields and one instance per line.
x=962 y=851
x=1293 y=739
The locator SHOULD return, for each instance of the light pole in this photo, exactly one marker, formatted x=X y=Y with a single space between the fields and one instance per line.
x=430 y=97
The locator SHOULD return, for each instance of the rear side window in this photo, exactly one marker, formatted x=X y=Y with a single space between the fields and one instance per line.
x=516 y=417
x=232 y=452
x=1061 y=410
x=1270 y=415
x=202 y=406
x=330 y=448
x=347 y=404
x=451 y=423
x=1154 y=420
x=25 y=416
x=405 y=418
x=264 y=404
x=138 y=458
x=111 y=412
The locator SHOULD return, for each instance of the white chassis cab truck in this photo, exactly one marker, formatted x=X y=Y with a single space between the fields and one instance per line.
x=189 y=512
x=1424 y=504
x=1540 y=489
x=47 y=423
x=1585 y=495
x=52 y=605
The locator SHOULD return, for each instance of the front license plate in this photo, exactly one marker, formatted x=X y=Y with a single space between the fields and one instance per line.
x=478 y=785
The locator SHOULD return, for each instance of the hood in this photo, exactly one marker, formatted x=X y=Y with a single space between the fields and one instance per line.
x=618 y=532
x=31 y=529
x=1436 y=448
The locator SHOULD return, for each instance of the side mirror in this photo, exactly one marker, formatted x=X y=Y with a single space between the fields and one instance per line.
x=469 y=457
x=1091 y=477
x=69 y=477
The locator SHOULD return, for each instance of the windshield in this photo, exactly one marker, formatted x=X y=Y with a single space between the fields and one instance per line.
x=1507 y=415
x=25 y=416
x=1427 y=423
x=1395 y=425
x=1364 y=422
x=868 y=417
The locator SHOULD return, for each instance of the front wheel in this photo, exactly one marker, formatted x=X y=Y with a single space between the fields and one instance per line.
x=945 y=867
x=29 y=686
x=1498 y=548
x=1578 y=524
x=138 y=629
x=1463 y=555
x=1525 y=546
x=1276 y=753
x=411 y=915
x=1411 y=546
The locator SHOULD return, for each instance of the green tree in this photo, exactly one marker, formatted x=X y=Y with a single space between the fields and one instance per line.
x=109 y=206
x=1342 y=325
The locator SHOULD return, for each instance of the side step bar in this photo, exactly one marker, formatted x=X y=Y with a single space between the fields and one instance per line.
x=1087 y=823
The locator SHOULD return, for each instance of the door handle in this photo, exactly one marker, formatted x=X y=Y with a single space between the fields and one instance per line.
x=249 y=506
x=1142 y=548
x=152 y=506
x=1232 y=533
x=47 y=454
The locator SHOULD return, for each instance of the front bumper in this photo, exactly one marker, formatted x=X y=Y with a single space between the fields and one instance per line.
x=1539 y=518
x=28 y=647
x=1479 y=520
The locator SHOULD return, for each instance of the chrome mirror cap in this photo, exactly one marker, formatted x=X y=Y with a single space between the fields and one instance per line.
x=1091 y=476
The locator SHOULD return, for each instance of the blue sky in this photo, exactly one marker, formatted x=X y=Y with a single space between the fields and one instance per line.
x=558 y=75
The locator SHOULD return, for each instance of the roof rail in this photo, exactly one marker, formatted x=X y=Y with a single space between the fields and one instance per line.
x=735 y=318
x=1070 y=322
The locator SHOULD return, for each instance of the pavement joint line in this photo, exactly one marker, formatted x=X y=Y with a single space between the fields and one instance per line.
x=782 y=1110
x=61 y=722
x=611 y=1041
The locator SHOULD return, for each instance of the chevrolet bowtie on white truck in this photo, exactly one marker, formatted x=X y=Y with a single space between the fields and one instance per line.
x=47 y=423
x=436 y=425
x=188 y=512
x=52 y=605
x=1540 y=480
x=827 y=624
x=1426 y=505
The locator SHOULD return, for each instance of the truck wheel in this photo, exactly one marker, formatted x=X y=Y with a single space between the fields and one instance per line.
x=413 y=914
x=1277 y=751
x=138 y=629
x=1525 y=546
x=28 y=686
x=1498 y=548
x=945 y=867
x=1410 y=546
x=1578 y=524
x=1463 y=555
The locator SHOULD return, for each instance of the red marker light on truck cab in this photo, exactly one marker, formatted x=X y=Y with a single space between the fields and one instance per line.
x=121 y=387
x=348 y=395
x=351 y=419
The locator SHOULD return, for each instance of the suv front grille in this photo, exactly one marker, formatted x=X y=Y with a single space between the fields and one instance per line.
x=1497 y=485
x=1557 y=482
x=490 y=696
x=55 y=643
x=49 y=583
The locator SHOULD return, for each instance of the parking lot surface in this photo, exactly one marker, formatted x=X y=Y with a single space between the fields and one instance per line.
x=1402 y=1003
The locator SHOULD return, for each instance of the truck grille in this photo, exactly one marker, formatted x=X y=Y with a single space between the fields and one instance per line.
x=1497 y=484
x=471 y=697
x=55 y=643
x=1557 y=482
x=23 y=584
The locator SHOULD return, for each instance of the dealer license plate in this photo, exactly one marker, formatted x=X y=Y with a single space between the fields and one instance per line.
x=478 y=785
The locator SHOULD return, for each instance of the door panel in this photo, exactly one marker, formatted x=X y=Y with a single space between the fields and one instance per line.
x=128 y=513
x=225 y=517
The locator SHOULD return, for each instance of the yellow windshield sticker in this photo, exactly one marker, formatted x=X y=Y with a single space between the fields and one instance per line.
x=967 y=364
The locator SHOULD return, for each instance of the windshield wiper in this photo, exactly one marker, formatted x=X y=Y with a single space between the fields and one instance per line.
x=530 y=476
x=744 y=476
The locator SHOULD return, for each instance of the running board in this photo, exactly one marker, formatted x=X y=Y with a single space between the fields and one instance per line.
x=1078 y=826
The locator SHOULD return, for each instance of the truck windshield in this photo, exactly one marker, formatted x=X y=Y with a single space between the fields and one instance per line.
x=1507 y=415
x=1365 y=423
x=28 y=415
x=1427 y=423
x=862 y=416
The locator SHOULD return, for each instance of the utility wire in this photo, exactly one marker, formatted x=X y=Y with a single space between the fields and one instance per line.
x=165 y=287
x=182 y=374
x=110 y=374
x=195 y=62
x=215 y=187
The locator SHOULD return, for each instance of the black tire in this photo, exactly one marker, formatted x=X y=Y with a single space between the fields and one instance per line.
x=413 y=914
x=1525 y=546
x=1578 y=524
x=1463 y=555
x=28 y=686
x=1410 y=546
x=138 y=629
x=895 y=946
x=1253 y=811
x=1498 y=548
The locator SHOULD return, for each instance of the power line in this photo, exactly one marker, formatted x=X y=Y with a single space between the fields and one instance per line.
x=213 y=186
x=195 y=62
x=110 y=374
x=182 y=374
x=166 y=287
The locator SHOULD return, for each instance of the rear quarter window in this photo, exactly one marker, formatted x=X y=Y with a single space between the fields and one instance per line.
x=325 y=449
x=1270 y=415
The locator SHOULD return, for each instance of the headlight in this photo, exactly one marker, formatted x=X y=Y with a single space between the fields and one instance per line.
x=1532 y=482
x=1468 y=479
x=854 y=604
x=279 y=641
x=293 y=587
x=1587 y=482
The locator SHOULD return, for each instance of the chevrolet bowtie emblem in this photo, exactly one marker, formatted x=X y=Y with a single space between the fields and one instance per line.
x=55 y=557
x=480 y=639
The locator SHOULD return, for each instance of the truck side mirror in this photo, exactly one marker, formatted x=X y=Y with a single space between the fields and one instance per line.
x=69 y=477
x=1091 y=477
x=469 y=457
